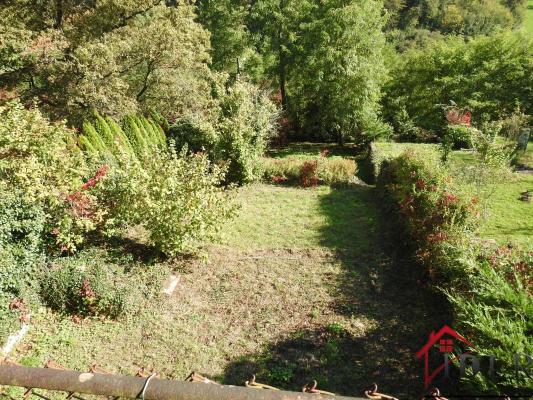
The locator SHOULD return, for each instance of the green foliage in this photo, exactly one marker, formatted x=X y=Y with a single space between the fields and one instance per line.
x=230 y=40
x=512 y=125
x=324 y=58
x=74 y=287
x=193 y=135
x=457 y=137
x=435 y=215
x=386 y=151
x=118 y=57
x=22 y=227
x=490 y=76
x=497 y=309
x=336 y=90
x=466 y=17
x=246 y=123
x=328 y=170
x=176 y=198
x=40 y=163
x=105 y=141
x=238 y=137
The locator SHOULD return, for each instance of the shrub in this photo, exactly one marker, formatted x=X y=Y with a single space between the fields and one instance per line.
x=21 y=241
x=41 y=163
x=309 y=173
x=239 y=135
x=71 y=287
x=456 y=137
x=178 y=199
x=306 y=171
x=193 y=135
x=386 y=151
x=497 y=309
x=439 y=221
x=336 y=170
x=512 y=125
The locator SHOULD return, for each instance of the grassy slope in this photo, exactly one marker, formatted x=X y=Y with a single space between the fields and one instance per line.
x=507 y=218
x=300 y=289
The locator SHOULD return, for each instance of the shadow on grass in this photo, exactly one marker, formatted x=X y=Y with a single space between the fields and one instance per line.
x=379 y=290
x=118 y=246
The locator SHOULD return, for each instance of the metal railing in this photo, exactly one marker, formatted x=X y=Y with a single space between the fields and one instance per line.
x=146 y=388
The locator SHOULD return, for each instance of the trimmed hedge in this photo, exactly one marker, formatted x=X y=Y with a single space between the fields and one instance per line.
x=383 y=151
x=490 y=289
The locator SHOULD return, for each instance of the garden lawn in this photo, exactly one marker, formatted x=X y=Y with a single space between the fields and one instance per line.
x=300 y=288
x=509 y=220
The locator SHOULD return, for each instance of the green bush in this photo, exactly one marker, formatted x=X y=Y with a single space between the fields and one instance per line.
x=42 y=165
x=22 y=226
x=178 y=199
x=386 y=151
x=457 y=137
x=71 y=287
x=497 y=309
x=237 y=137
x=336 y=170
x=512 y=125
x=328 y=170
x=194 y=136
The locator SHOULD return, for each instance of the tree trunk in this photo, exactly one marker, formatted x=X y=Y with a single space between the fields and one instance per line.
x=59 y=14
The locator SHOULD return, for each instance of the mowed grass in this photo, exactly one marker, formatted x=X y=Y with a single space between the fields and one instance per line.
x=273 y=277
x=300 y=289
x=507 y=218
x=293 y=218
x=510 y=220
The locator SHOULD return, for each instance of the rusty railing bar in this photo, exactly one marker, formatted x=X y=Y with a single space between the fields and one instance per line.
x=130 y=387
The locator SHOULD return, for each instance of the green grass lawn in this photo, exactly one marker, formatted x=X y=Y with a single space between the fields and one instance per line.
x=300 y=288
x=508 y=219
